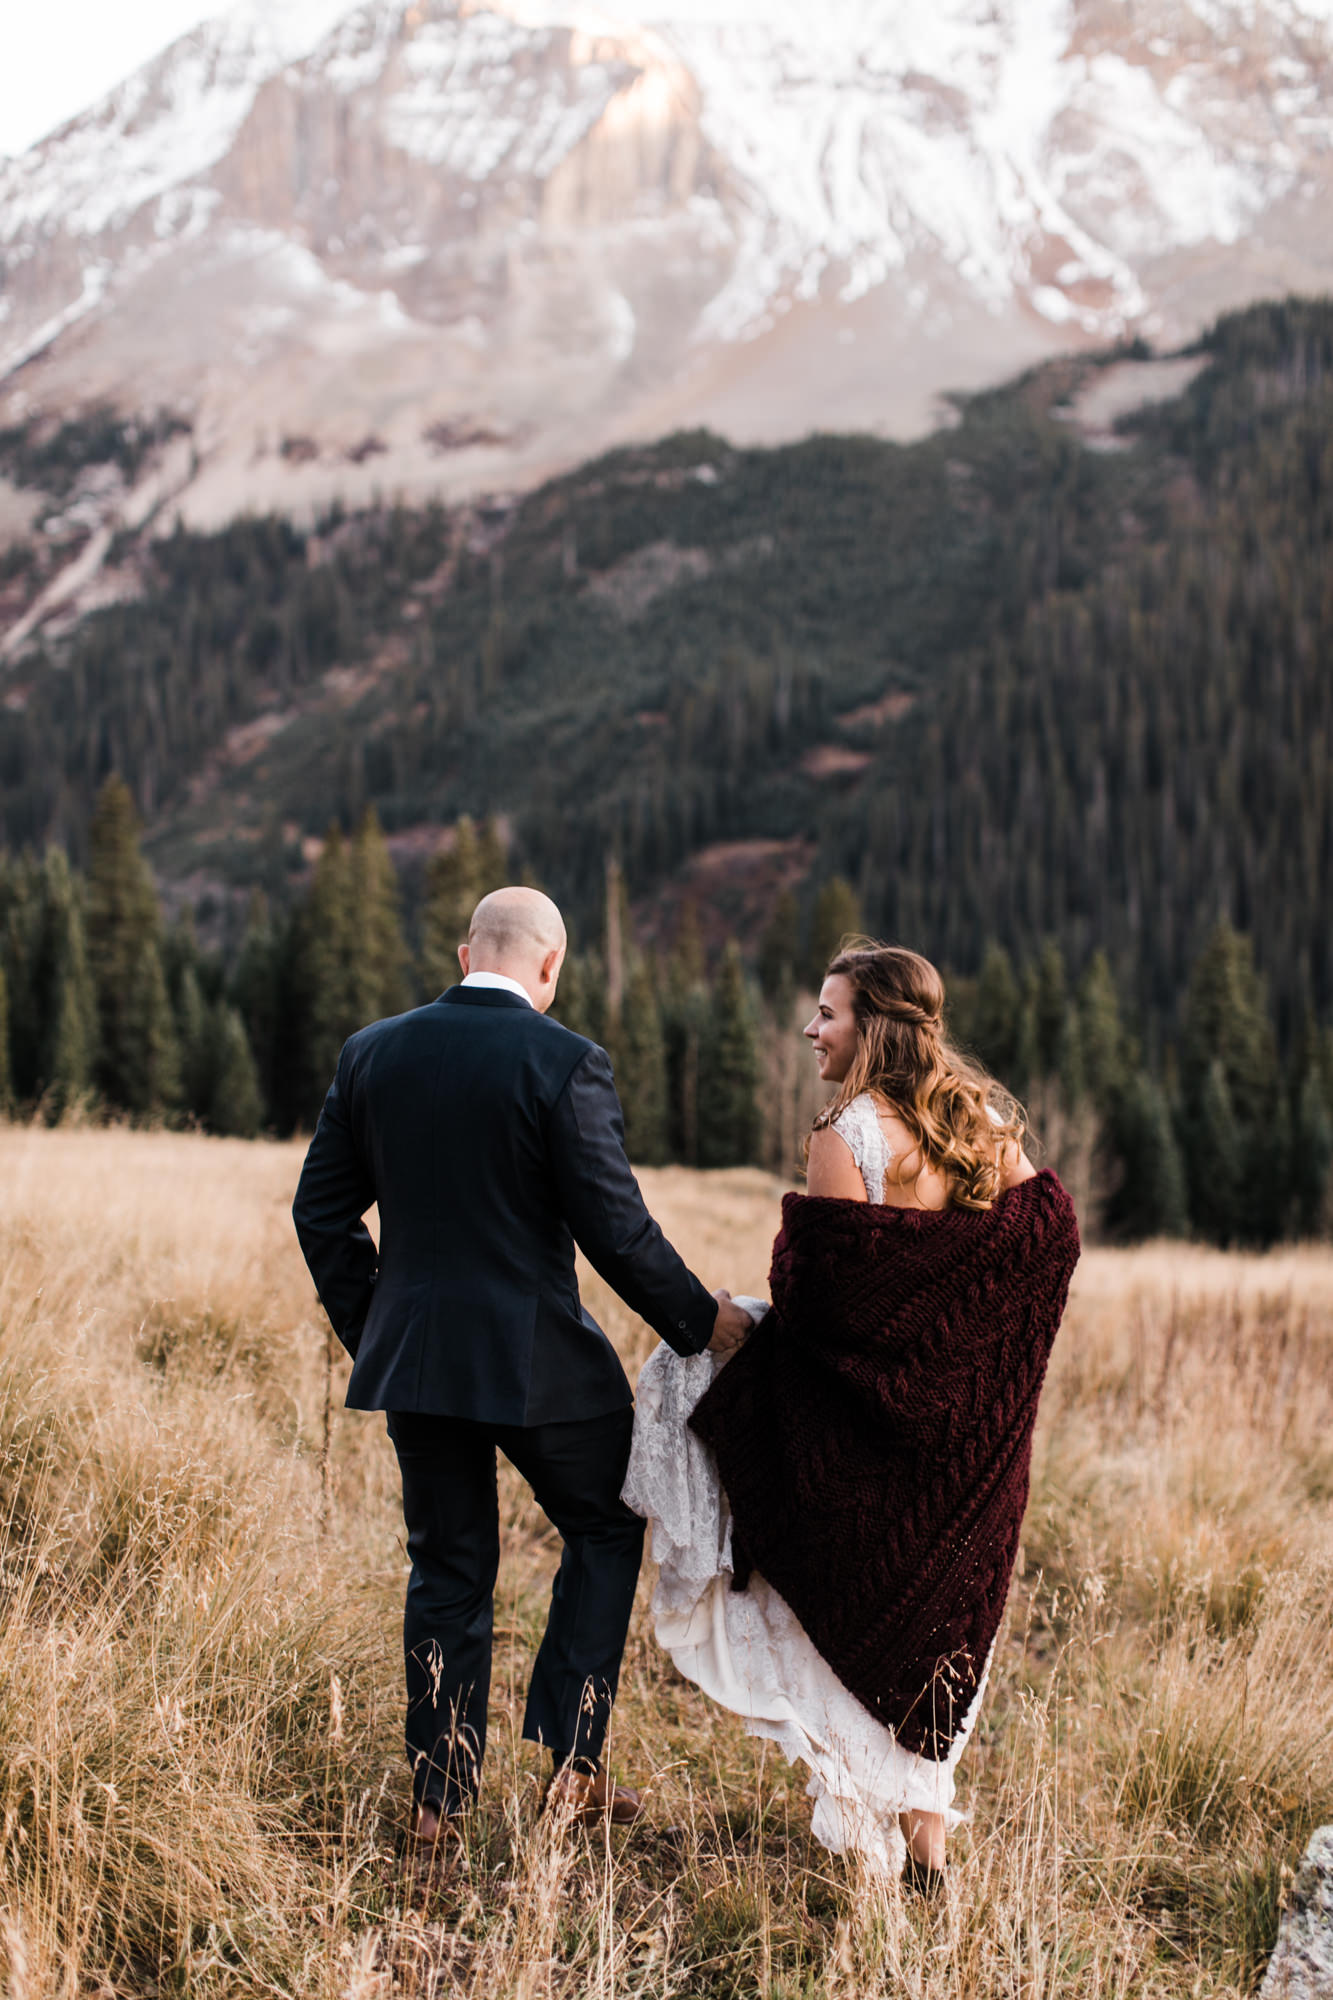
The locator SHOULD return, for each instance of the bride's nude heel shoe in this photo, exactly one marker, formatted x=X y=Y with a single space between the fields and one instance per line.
x=926 y=1877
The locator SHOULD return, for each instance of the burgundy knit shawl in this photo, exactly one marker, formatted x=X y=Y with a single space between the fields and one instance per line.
x=874 y=1436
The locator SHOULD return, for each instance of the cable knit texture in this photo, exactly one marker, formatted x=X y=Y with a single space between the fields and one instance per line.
x=874 y=1436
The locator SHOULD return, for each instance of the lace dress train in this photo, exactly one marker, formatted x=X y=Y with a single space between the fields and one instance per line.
x=746 y=1649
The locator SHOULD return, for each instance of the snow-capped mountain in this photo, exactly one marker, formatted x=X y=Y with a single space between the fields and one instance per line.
x=453 y=244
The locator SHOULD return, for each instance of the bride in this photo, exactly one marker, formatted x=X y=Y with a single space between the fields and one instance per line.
x=835 y=1511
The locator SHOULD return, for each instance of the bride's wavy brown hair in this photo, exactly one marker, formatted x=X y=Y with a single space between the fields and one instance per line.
x=958 y=1114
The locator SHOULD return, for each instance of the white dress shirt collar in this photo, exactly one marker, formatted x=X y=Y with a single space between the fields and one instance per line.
x=498 y=982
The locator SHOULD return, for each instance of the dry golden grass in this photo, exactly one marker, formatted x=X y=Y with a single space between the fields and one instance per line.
x=199 y=1658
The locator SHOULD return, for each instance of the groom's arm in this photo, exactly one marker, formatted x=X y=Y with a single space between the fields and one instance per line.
x=605 y=1210
x=332 y=1196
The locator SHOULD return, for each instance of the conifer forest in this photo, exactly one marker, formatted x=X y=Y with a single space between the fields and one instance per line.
x=1057 y=712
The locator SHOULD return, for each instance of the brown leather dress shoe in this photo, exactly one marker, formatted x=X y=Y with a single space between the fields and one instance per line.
x=584 y=1797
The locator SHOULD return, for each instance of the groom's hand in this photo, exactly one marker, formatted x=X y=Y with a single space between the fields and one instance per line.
x=732 y=1325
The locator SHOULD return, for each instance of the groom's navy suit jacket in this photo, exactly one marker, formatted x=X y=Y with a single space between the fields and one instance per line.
x=491 y=1139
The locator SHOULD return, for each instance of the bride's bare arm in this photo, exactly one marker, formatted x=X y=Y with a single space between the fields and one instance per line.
x=830 y=1170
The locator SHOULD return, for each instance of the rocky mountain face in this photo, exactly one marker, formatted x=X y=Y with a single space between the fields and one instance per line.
x=453 y=245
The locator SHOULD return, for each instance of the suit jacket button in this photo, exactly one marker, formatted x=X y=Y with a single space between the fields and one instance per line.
x=683 y=1325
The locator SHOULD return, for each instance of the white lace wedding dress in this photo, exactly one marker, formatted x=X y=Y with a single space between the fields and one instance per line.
x=745 y=1649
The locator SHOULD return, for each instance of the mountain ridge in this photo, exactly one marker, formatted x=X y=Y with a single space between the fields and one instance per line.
x=450 y=248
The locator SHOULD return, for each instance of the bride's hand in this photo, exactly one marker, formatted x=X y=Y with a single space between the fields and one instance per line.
x=732 y=1325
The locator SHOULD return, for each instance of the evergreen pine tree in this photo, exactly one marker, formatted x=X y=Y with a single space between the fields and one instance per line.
x=729 y=1072
x=52 y=1014
x=288 y=1092
x=71 y=1018
x=1027 y=1067
x=349 y=960
x=69 y=1079
x=1217 y=1167
x=377 y=969
x=837 y=916
x=1320 y=1058
x=1265 y=1211
x=137 y=1065
x=779 y=953
x=254 y=992
x=616 y=933
x=996 y=1010
x=20 y=929
x=192 y=1017
x=492 y=858
x=1101 y=1035
x=452 y=894
x=1230 y=1081
x=194 y=1038
x=236 y=1108
x=686 y=969
x=1312 y=1175
x=6 y=1085
x=684 y=1017
x=323 y=1001
x=1050 y=1008
x=596 y=1014
x=571 y=999
x=639 y=1052
x=960 y=1010
x=1070 y=1066
x=1150 y=1198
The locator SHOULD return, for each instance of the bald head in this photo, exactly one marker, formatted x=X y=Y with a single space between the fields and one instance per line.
x=521 y=933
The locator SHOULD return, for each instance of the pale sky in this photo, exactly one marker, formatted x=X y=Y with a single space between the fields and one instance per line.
x=59 y=56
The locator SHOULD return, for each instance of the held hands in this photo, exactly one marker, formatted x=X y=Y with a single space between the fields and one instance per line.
x=732 y=1326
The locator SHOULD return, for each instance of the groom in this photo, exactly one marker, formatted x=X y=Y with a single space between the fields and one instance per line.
x=492 y=1141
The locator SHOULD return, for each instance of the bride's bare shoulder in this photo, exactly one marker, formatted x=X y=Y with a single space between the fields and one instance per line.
x=831 y=1170
x=1015 y=1166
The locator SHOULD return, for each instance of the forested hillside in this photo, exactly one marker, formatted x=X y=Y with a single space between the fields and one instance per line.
x=1012 y=686
x=104 y=1009
x=1056 y=710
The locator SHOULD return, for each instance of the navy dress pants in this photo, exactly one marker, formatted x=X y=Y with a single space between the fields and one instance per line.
x=451 y=1508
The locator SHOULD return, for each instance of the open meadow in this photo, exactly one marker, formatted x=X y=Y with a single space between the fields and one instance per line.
x=203 y=1791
